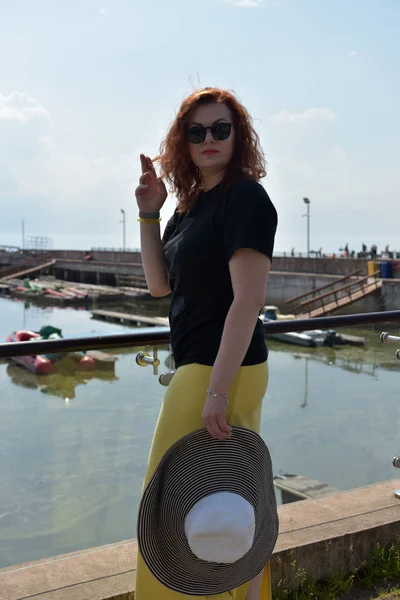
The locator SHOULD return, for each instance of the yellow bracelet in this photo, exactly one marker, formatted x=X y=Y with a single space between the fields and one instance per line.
x=149 y=220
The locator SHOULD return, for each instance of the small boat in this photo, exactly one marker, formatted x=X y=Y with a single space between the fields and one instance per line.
x=41 y=365
x=44 y=364
x=95 y=359
x=274 y=314
x=314 y=338
x=102 y=360
x=309 y=339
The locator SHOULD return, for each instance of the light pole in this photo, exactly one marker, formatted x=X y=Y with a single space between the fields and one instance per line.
x=123 y=228
x=308 y=202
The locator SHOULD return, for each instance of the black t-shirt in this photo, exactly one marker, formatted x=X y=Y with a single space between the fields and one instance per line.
x=197 y=249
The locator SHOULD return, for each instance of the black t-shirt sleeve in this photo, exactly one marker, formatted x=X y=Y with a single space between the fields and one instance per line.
x=249 y=220
x=170 y=228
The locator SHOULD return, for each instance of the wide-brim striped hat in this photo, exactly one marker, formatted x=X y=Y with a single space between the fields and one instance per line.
x=199 y=470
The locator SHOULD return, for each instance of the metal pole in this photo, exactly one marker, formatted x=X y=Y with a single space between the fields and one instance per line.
x=123 y=229
x=308 y=202
x=23 y=235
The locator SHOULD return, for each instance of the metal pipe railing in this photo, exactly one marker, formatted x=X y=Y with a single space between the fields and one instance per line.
x=159 y=336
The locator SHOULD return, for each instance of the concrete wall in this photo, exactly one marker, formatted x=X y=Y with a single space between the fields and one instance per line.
x=326 y=266
x=390 y=294
x=317 y=538
x=283 y=286
x=323 y=266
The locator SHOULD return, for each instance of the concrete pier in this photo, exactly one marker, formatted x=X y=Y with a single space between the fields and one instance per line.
x=316 y=538
x=289 y=277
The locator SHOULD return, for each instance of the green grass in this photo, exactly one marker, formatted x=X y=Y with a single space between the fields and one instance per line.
x=383 y=568
x=389 y=594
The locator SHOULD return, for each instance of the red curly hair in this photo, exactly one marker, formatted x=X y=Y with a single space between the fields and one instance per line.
x=247 y=162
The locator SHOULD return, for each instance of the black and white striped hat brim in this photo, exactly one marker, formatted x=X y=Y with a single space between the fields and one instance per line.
x=196 y=466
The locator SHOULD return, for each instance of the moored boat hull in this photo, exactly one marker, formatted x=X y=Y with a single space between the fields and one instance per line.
x=41 y=365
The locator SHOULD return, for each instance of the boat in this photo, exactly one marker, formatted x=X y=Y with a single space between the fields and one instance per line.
x=314 y=338
x=102 y=360
x=44 y=364
x=97 y=358
x=310 y=339
x=272 y=312
x=39 y=364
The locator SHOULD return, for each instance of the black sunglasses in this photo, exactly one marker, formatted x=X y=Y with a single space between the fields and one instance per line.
x=196 y=134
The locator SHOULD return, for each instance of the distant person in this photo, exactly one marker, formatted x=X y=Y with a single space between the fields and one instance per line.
x=215 y=257
x=292 y=252
x=346 y=250
x=374 y=251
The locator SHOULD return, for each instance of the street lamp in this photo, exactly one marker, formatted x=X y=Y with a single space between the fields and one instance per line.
x=308 y=202
x=123 y=228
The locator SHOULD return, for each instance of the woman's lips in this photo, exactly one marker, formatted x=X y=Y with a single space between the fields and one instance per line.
x=210 y=152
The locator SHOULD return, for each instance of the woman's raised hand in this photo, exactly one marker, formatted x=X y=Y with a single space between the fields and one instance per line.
x=151 y=192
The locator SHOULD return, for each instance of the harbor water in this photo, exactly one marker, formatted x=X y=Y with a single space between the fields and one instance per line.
x=74 y=444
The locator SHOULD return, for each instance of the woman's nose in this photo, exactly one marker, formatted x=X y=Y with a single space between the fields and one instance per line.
x=209 y=137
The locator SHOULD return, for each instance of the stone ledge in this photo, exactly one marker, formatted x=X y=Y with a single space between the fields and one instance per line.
x=316 y=536
x=93 y=574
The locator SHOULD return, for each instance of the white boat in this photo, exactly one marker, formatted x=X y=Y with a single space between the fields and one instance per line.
x=310 y=339
x=314 y=338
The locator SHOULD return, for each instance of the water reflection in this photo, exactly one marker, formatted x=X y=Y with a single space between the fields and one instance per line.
x=62 y=383
x=305 y=401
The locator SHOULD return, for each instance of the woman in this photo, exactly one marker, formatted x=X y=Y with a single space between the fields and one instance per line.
x=215 y=258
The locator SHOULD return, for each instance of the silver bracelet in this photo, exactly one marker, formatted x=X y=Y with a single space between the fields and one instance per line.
x=217 y=395
x=148 y=215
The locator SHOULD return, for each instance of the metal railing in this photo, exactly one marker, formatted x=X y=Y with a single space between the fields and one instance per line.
x=386 y=337
x=159 y=336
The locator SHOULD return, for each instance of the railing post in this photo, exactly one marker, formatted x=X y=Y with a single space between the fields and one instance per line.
x=396 y=463
x=349 y=291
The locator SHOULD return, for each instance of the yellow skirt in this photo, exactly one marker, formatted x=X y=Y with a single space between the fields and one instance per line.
x=180 y=414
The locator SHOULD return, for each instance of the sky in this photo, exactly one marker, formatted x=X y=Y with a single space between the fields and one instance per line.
x=85 y=86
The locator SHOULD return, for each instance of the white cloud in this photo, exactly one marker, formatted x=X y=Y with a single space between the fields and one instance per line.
x=22 y=108
x=311 y=114
x=353 y=53
x=102 y=11
x=58 y=191
x=24 y=130
x=244 y=3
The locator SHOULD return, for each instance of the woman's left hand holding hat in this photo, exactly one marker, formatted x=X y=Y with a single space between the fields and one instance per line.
x=214 y=417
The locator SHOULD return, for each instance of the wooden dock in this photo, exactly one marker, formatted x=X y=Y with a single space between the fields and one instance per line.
x=128 y=319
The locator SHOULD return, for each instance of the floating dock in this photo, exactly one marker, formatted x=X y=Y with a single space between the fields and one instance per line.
x=128 y=319
x=298 y=487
